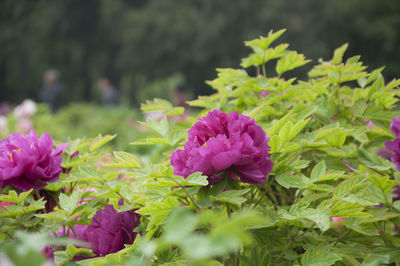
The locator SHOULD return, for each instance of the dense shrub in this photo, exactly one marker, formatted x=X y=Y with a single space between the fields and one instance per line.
x=328 y=199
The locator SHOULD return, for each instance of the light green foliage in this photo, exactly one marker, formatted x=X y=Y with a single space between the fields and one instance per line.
x=325 y=165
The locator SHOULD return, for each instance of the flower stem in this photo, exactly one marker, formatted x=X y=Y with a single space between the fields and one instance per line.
x=228 y=209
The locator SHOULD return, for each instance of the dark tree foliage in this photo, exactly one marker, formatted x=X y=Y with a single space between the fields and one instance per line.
x=140 y=42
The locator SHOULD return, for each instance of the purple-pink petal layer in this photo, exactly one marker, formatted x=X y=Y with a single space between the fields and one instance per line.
x=220 y=142
x=394 y=146
x=108 y=233
x=27 y=161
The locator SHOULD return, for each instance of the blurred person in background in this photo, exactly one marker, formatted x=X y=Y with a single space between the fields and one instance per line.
x=109 y=95
x=51 y=90
x=180 y=97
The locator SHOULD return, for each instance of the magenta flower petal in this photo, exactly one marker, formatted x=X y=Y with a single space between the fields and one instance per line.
x=394 y=146
x=27 y=161
x=108 y=233
x=223 y=142
x=395 y=126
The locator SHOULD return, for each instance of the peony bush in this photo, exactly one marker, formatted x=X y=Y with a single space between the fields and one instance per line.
x=269 y=170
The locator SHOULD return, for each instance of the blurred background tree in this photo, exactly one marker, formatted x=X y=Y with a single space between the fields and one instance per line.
x=147 y=48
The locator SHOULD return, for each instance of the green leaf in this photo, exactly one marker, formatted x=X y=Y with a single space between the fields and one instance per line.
x=262 y=58
x=345 y=187
x=378 y=85
x=179 y=225
x=69 y=203
x=359 y=107
x=321 y=255
x=285 y=132
x=320 y=217
x=151 y=141
x=372 y=161
x=196 y=179
x=335 y=136
x=159 y=211
x=299 y=164
x=379 y=214
x=331 y=175
x=320 y=187
x=100 y=141
x=338 y=54
x=161 y=105
x=293 y=181
x=261 y=44
x=61 y=257
x=360 y=134
x=231 y=196
x=274 y=143
x=160 y=127
x=123 y=160
x=156 y=104
x=14 y=210
x=301 y=211
x=347 y=209
x=274 y=130
x=396 y=205
x=376 y=259
x=11 y=197
x=290 y=61
x=318 y=171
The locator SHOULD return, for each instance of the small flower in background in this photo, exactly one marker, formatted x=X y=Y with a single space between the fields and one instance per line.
x=265 y=93
x=394 y=146
x=108 y=233
x=369 y=122
x=155 y=115
x=26 y=109
x=220 y=142
x=27 y=161
x=23 y=113
x=3 y=204
x=24 y=125
x=337 y=219
x=3 y=126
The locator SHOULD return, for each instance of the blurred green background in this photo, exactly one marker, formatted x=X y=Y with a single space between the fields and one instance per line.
x=150 y=48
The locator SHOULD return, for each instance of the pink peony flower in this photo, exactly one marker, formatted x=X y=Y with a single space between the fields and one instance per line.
x=395 y=126
x=27 y=161
x=394 y=146
x=223 y=143
x=384 y=153
x=105 y=232
x=108 y=233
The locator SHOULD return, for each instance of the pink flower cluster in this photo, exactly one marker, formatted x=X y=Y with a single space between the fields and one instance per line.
x=108 y=233
x=27 y=161
x=221 y=144
x=394 y=146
